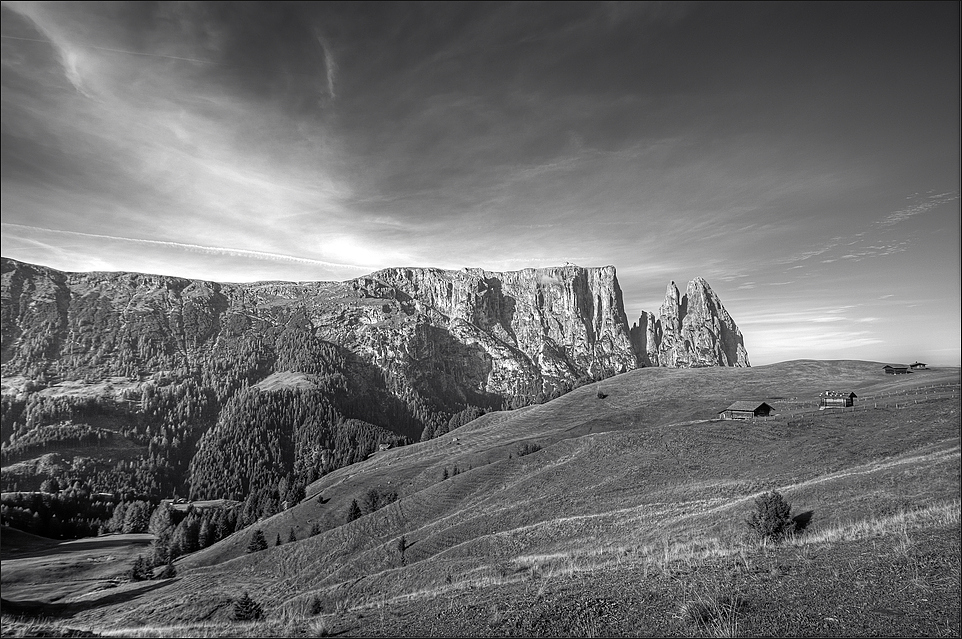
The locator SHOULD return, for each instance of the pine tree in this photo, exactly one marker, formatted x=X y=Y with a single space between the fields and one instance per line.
x=246 y=609
x=402 y=545
x=278 y=542
x=354 y=512
x=291 y=537
x=169 y=572
x=141 y=570
x=772 y=518
x=258 y=542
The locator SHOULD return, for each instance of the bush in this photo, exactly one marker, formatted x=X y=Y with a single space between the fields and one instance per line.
x=246 y=609
x=772 y=518
x=527 y=448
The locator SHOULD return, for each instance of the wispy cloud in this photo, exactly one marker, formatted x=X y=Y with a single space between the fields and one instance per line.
x=330 y=65
x=194 y=248
x=316 y=139
x=919 y=205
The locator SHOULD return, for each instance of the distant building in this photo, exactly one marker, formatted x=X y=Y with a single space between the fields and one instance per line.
x=896 y=369
x=918 y=366
x=746 y=410
x=836 y=399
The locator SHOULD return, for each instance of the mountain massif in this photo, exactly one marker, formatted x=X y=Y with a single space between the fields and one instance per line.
x=183 y=368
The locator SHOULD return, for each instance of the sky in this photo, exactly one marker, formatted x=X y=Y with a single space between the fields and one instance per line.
x=802 y=158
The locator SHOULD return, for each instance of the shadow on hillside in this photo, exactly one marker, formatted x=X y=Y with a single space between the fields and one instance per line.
x=45 y=609
x=802 y=520
x=84 y=544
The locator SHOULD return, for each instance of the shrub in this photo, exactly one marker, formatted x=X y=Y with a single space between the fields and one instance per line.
x=716 y=615
x=527 y=448
x=246 y=609
x=771 y=519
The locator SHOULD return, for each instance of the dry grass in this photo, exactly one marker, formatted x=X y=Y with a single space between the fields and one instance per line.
x=618 y=485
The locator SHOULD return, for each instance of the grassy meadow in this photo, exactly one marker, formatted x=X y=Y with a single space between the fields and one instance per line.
x=616 y=510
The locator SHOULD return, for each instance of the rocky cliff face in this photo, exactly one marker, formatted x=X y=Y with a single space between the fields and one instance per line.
x=452 y=337
x=448 y=338
x=689 y=330
x=540 y=327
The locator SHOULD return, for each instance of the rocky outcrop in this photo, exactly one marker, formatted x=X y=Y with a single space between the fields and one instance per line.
x=690 y=330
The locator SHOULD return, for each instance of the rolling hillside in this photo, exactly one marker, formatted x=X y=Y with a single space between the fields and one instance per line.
x=615 y=509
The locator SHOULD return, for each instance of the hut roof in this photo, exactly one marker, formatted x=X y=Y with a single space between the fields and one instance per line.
x=831 y=393
x=747 y=406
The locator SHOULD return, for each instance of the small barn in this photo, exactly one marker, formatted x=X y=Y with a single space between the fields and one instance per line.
x=835 y=399
x=746 y=410
x=896 y=369
x=918 y=366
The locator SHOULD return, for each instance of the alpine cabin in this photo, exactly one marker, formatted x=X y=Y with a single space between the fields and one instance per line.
x=896 y=369
x=746 y=410
x=835 y=399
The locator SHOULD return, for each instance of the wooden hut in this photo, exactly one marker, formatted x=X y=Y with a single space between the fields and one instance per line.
x=896 y=369
x=835 y=399
x=918 y=366
x=746 y=410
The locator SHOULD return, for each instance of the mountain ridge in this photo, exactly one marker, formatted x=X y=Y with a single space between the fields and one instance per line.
x=384 y=358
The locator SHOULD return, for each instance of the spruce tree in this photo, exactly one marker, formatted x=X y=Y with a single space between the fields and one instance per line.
x=402 y=545
x=258 y=542
x=246 y=609
x=772 y=518
x=169 y=572
x=141 y=570
x=354 y=512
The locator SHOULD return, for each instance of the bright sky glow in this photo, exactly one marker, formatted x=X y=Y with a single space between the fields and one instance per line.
x=803 y=158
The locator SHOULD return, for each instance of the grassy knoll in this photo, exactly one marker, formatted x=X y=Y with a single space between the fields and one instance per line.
x=629 y=520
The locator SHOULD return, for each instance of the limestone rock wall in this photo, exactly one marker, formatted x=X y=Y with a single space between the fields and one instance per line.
x=443 y=336
x=689 y=330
